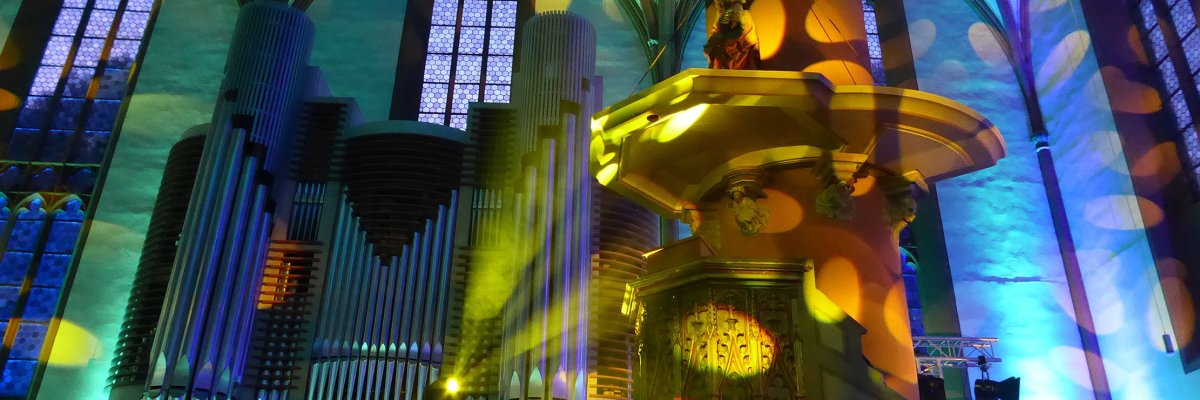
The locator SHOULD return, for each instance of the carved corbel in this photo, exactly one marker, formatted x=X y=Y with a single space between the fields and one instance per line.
x=902 y=194
x=744 y=187
x=838 y=172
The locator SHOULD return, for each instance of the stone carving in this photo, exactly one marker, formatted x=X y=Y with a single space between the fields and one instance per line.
x=902 y=210
x=902 y=194
x=751 y=217
x=733 y=40
x=839 y=172
x=835 y=201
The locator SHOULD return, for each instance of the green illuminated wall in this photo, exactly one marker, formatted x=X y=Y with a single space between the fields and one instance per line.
x=8 y=12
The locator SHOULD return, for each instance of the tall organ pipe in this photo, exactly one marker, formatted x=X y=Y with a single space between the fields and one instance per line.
x=133 y=355
x=546 y=340
x=214 y=278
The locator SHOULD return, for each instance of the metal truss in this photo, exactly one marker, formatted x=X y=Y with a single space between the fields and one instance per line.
x=936 y=353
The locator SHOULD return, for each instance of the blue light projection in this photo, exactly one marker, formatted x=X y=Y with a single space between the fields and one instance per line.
x=476 y=56
x=1013 y=288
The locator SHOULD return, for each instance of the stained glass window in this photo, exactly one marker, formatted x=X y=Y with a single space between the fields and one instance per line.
x=874 y=51
x=1184 y=66
x=61 y=120
x=465 y=39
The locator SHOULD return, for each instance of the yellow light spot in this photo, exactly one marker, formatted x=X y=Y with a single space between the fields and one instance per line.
x=598 y=125
x=8 y=100
x=1178 y=298
x=612 y=10
x=820 y=306
x=921 y=34
x=452 y=386
x=863 y=185
x=738 y=344
x=596 y=147
x=680 y=122
x=1133 y=97
x=1134 y=40
x=73 y=346
x=983 y=41
x=770 y=20
x=606 y=174
x=1063 y=60
x=1122 y=212
x=1158 y=165
x=541 y=6
x=627 y=301
x=786 y=212
x=840 y=275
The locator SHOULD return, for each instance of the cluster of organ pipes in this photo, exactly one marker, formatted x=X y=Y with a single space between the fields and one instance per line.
x=384 y=331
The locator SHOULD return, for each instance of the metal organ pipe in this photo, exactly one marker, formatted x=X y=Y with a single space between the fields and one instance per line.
x=217 y=272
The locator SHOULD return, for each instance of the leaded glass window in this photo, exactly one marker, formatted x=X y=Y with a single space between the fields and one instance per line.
x=61 y=137
x=1173 y=43
x=469 y=58
x=874 y=49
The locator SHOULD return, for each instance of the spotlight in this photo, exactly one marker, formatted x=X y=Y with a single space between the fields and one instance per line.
x=442 y=389
x=1008 y=389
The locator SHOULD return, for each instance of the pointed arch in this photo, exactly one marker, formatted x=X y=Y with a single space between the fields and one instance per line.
x=559 y=387
x=31 y=203
x=71 y=205
x=514 y=386
x=536 y=385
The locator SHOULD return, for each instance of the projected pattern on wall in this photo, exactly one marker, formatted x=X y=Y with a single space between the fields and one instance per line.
x=470 y=58
x=50 y=171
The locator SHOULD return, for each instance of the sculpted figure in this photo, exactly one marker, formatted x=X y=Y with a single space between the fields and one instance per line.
x=751 y=217
x=733 y=41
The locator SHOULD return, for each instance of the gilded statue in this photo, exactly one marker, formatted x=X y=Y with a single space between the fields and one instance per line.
x=733 y=41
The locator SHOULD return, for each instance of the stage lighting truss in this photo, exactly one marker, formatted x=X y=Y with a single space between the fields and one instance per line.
x=936 y=353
